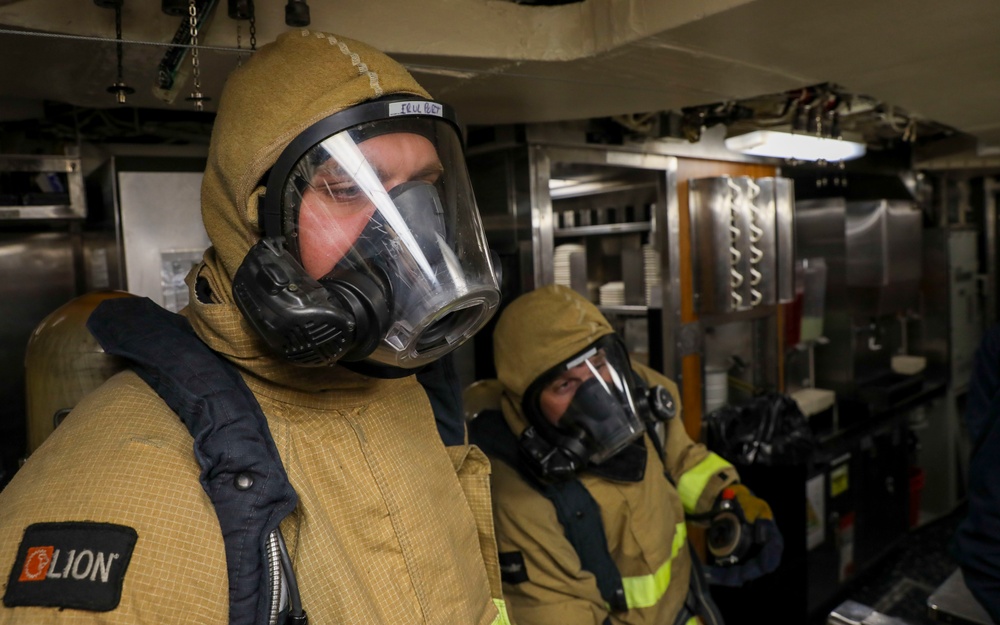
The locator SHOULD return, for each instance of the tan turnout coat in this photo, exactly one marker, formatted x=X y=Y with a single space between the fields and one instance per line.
x=391 y=526
x=643 y=521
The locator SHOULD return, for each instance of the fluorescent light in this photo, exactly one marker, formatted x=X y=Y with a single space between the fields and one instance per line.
x=798 y=146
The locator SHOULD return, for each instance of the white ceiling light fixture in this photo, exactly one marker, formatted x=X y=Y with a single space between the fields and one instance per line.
x=800 y=147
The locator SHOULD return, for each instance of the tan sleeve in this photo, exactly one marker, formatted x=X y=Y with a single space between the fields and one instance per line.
x=699 y=474
x=123 y=458
x=555 y=590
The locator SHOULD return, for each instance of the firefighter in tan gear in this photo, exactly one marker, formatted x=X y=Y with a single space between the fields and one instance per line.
x=576 y=408
x=347 y=253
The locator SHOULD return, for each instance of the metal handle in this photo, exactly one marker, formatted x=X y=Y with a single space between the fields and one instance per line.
x=756 y=234
x=735 y=256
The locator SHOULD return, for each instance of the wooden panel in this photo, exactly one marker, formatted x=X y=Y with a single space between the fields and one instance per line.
x=691 y=394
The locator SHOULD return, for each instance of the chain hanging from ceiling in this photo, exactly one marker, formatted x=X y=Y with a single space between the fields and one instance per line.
x=118 y=88
x=197 y=97
x=194 y=12
x=240 y=11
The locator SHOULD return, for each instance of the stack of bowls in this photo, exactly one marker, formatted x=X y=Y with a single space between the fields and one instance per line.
x=716 y=388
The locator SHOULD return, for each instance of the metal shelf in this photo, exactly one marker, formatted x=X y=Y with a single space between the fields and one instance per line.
x=63 y=203
x=757 y=312
x=597 y=187
x=602 y=229
x=624 y=310
x=44 y=211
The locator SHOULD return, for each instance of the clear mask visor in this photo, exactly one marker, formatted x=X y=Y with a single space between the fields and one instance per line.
x=391 y=200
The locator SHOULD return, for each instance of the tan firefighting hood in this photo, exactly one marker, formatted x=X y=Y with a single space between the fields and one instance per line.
x=302 y=78
x=536 y=332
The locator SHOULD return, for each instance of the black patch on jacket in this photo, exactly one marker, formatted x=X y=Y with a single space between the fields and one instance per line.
x=77 y=565
x=512 y=569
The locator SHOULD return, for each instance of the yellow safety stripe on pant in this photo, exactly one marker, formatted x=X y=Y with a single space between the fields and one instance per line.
x=693 y=481
x=644 y=591
x=692 y=621
x=502 y=618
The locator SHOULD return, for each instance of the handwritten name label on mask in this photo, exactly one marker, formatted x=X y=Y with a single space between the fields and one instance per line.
x=415 y=108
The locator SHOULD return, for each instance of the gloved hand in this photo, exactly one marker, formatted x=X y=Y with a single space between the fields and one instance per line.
x=744 y=541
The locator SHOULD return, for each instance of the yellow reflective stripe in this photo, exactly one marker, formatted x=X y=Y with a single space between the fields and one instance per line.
x=692 y=621
x=645 y=591
x=502 y=618
x=694 y=480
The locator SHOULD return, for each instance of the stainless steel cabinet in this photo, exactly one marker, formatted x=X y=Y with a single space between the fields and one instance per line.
x=618 y=206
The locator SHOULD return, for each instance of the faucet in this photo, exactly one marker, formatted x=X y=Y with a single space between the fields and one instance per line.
x=873 y=335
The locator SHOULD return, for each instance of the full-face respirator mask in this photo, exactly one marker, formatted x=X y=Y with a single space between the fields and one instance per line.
x=583 y=411
x=373 y=252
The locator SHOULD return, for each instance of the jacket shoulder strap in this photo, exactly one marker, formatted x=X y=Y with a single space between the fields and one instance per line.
x=241 y=470
x=576 y=508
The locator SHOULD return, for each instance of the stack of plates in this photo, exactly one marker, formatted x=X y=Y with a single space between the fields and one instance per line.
x=651 y=273
x=612 y=294
x=561 y=262
x=716 y=388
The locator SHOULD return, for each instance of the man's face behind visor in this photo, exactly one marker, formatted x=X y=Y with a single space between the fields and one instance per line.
x=558 y=394
x=591 y=397
x=336 y=207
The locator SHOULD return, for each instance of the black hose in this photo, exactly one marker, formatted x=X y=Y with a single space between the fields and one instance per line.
x=296 y=615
